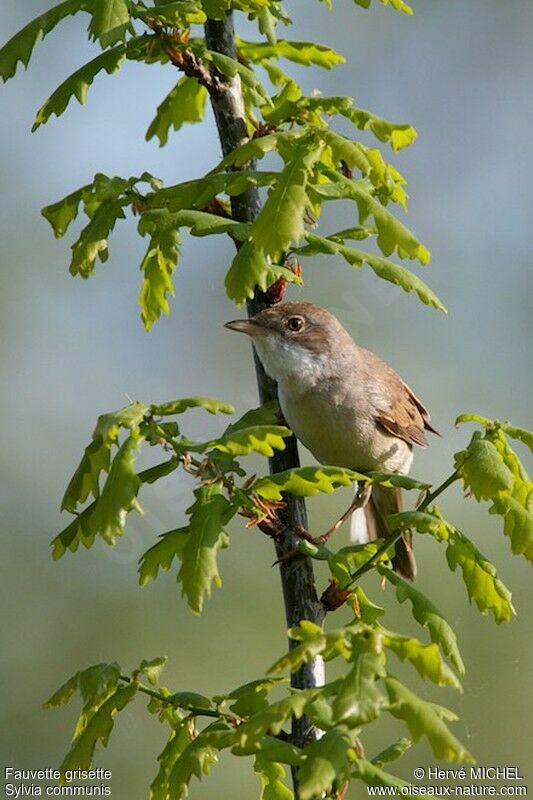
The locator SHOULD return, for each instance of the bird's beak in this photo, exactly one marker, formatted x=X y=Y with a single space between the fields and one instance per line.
x=248 y=326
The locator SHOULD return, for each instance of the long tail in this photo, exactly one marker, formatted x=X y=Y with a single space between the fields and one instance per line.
x=369 y=523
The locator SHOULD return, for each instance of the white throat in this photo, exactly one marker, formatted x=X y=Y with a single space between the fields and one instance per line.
x=289 y=363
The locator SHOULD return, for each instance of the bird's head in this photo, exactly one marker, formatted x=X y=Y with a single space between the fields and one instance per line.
x=295 y=341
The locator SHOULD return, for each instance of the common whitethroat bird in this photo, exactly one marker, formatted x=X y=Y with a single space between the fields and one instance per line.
x=347 y=407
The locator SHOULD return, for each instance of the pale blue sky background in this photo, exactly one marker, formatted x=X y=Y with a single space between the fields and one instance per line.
x=462 y=74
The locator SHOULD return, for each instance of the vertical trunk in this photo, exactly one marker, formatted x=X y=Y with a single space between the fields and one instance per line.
x=297 y=577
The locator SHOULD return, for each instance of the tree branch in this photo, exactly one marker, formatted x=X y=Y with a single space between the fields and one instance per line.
x=297 y=578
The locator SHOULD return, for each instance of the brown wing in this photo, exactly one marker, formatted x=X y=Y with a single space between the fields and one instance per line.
x=406 y=417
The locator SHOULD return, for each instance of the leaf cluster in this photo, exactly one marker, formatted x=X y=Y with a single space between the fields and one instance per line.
x=318 y=163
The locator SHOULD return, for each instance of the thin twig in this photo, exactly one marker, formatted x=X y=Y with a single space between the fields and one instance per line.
x=169 y=701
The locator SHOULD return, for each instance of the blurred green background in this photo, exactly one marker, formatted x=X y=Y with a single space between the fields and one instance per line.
x=461 y=73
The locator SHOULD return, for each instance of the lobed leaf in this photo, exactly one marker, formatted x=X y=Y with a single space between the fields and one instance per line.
x=393 y=236
x=62 y=213
x=161 y=554
x=313 y=642
x=272 y=719
x=372 y=774
x=392 y=753
x=20 y=47
x=231 y=67
x=263 y=439
x=185 y=103
x=425 y=719
x=209 y=404
x=305 y=481
x=426 y=658
x=271 y=776
x=281 y=220
x=152 y=669
x=480 y=577
x=265 y=414
x=209 y=513
x=77 y=84
x=158 y=266
x=110 y=21
x=179 y=739
x=304 y=53
x=385 y=269
x=97 y=455
x=482 y=582
x=427 y=615
x=199 y=223
x=99 y=727
x=119 y=495
x=198 y=757
x=178 y=14
x=325 y=761
x=250 y=269
x=251 y=698
x=358 y=700
x=483 y=470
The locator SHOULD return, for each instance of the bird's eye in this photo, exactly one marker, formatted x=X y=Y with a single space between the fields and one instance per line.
x=295 y=323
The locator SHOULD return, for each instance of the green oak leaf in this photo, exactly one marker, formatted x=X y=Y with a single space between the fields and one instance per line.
x=77 y=84
x=209 y=404
x=198 y=223
x=314 y=641
x=158 y=266
x=110 y=21
x=482 y=582
x=480 y=577
x=119 y=494
x=482 y=469
x=281 y=220
x=393 y=235
x=231 y=67
x=392 y=753
x=263 y=439
x=325 y=761
x=518 y=524
x=178 y=14
x=179 y=739
x=426 y=658
x=64 y=693
x=523 y=435
x=266 y=414
x=161 y=554
x=271 y=776
x=304 y=53
x=305 y=481
x=20 y=47
x=373 y=775
x=425 y=719
x=97 y=456
x=274 y=717
x=251 y=698
x=62 y=213
x=152 y=669
x=428 y=616
x=358 y=699
x=198 y=757
x=99 y=727
x=185 y=103
x=384 y=269
x=252 y=268
x=209 y=513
